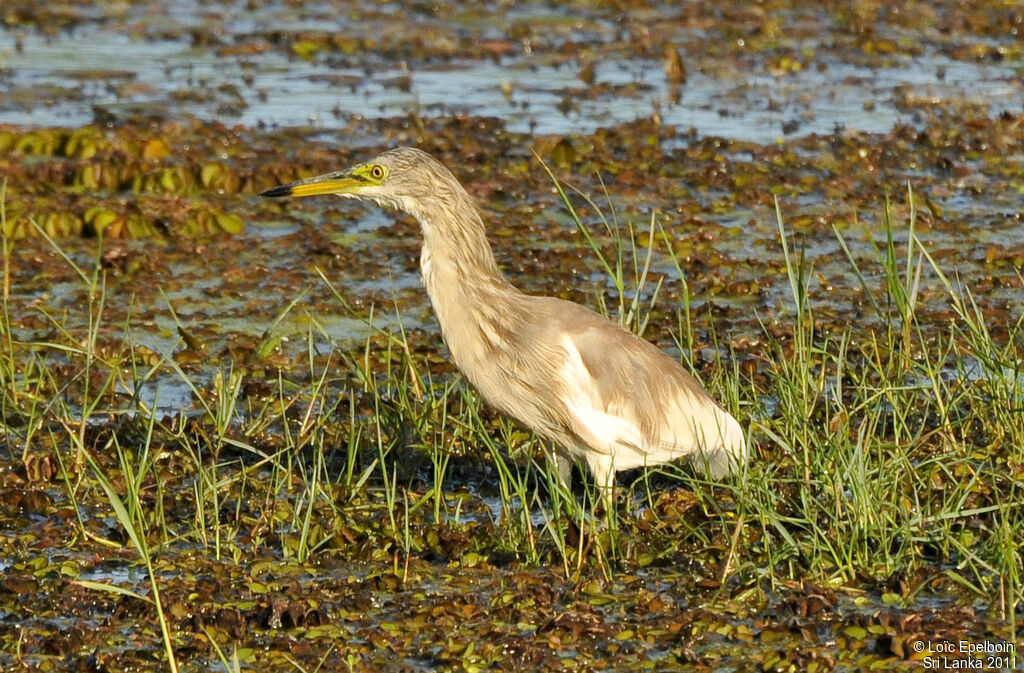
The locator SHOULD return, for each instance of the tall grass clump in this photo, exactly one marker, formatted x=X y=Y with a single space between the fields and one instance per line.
x=64 y=414
x=884 y=451
x=896 y=448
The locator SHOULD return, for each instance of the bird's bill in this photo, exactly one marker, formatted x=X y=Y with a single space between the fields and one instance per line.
x=329 y=183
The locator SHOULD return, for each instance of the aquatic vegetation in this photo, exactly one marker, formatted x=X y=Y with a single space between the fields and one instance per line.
x=355 y=479
x=231 y=436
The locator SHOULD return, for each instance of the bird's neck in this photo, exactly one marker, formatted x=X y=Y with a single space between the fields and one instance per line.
x=458 y=259
x=456 y=253
x=467 y=289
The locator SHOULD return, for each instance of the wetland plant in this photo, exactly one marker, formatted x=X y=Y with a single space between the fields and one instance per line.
x=885 y=458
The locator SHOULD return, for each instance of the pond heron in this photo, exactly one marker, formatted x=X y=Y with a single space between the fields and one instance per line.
x=602 y=395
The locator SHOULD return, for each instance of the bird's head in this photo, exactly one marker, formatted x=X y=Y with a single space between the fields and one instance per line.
x=402 y=178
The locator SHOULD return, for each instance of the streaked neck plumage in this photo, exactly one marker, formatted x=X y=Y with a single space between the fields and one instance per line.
x=461 y=276
x=456 y=255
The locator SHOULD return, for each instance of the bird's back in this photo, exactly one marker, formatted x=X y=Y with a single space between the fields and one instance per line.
x=606 y=396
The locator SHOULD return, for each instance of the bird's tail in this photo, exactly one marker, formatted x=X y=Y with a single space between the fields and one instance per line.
x=728 y=453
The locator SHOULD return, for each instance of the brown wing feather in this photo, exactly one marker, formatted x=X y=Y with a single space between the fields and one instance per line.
x=633 y=377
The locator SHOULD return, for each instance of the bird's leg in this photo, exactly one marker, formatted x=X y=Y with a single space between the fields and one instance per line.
x=563 y=466
x=604 y=480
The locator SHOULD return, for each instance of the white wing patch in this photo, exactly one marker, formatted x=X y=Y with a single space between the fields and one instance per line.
x=691 y=426
x=601 y=430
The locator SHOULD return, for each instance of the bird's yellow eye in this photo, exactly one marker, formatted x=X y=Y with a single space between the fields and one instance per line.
x=377 y=172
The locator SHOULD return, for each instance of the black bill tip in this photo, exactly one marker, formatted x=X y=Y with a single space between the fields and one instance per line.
x=280 y=190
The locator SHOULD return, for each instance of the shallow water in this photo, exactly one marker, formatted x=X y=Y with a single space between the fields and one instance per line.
x=146 y=62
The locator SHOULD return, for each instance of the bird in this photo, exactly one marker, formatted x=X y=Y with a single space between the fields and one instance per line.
x=602 y=397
